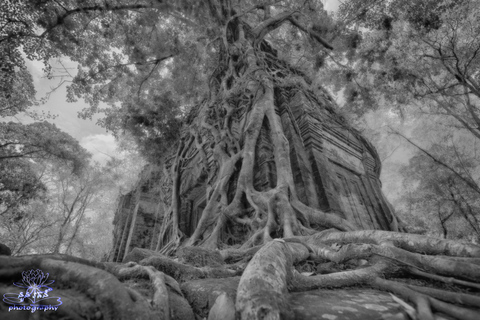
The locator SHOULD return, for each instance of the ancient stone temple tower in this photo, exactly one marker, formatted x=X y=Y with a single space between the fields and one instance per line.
x=335 y=169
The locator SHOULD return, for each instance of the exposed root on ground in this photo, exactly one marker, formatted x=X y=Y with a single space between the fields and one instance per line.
x=158 y=280
x=271 y=269
x=110 y=297
x=376 y=259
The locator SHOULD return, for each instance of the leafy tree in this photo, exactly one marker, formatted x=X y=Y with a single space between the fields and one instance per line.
x=84 y=205
x=18 y=38
x=131 y=54
x=418 y=53
x=18 y=185
x=22 y=147
x=414 y=58
x=40 y=140
x=68 y=212
x=73 y=196
x=28 y=229
x=436 y=193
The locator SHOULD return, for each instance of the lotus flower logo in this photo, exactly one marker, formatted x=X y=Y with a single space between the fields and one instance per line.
x=36 y=295
x=34 y=281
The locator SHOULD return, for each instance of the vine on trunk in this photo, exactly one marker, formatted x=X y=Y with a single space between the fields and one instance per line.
x=247 y=83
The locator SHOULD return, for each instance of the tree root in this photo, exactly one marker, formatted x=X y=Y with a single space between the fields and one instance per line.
x=268 y=277
x=421 y=301
x=417 y=272
x=410 y=242
x=160 y=297
x=327 y=220
x=111 y=297
x=182 y=272
x=235 y=255
x=263 y=285
x=339 y=279
x=21 y=260
x=447 y=296
x=269 y=273
x=426 y=302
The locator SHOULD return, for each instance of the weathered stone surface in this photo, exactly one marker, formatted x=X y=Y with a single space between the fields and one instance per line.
x=200 y=257
x=138 y=216
x=338 y=304
x=343 y=304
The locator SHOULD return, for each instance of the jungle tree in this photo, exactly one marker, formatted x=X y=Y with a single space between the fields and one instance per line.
x=417 y=59
x=150 y=61
x=436 y=190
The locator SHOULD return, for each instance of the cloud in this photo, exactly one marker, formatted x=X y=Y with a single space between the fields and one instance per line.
x=101 y=146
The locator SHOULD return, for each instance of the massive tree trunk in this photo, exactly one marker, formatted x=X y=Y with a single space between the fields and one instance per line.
x=266 y=171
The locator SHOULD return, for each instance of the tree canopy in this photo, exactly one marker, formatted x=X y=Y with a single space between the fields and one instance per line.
x=150 y=61
x=422 y=54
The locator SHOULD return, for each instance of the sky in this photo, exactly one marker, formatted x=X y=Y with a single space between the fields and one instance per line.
x=331 y=5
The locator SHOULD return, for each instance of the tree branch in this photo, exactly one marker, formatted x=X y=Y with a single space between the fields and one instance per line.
x=469 y=182
x=275 y=22
x=106 y=7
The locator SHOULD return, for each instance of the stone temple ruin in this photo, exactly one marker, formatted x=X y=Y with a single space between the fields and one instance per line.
x=335 y=170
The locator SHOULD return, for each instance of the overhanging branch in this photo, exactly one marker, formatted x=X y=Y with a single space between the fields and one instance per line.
x=275 y=22
x=310 y=32
x=105 y=7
